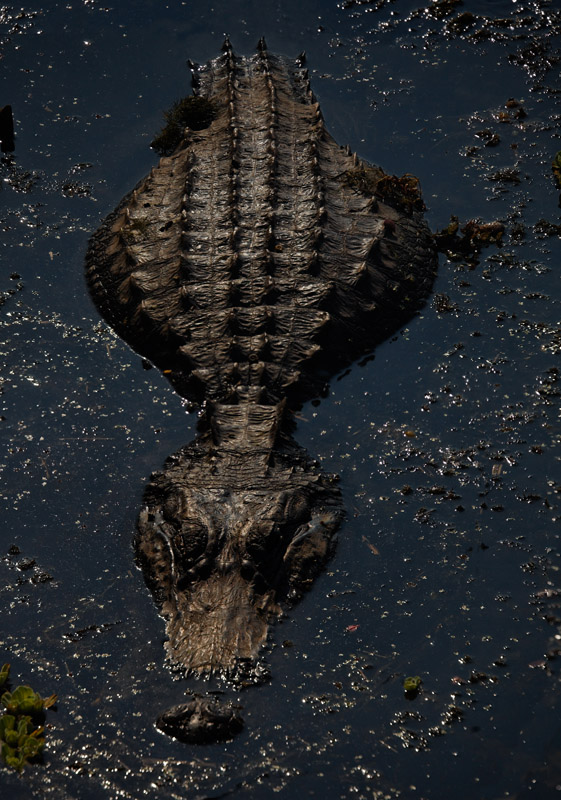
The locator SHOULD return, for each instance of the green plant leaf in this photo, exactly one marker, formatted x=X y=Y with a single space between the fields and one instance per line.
x=4 y=673
x=7 y=724
x=11 y=738
x=31 y=747
x=21 y=737
x=12 y=758
x=412 y=684
x=23 y=700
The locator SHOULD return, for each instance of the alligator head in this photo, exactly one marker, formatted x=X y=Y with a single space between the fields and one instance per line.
x=227 y=534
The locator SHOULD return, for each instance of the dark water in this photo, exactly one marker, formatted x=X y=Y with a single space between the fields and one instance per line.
x=447 y=442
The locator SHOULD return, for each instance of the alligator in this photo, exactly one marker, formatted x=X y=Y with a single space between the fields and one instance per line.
x=257 y=260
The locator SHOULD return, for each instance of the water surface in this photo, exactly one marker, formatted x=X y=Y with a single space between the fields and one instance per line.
x=447 y=442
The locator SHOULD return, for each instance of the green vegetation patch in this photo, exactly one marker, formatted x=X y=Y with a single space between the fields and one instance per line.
x=191 y=112
x=412 y=685
x=21 y=724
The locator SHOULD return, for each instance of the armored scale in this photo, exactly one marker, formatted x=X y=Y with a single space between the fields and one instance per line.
x=255 y=261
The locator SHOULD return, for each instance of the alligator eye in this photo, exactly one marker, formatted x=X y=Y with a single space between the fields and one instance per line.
x=262 y=540
x=297 y=508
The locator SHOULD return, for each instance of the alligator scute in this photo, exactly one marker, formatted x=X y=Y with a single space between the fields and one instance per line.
x=250 y=265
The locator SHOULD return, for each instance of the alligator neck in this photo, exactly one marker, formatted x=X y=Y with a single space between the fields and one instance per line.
x=244 y=436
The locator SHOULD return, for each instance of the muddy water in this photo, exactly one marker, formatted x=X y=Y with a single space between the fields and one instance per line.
x=447 y=442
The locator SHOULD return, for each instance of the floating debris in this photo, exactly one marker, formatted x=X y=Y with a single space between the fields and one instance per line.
x=475 y=236
x=411 y=686
x=556 y=169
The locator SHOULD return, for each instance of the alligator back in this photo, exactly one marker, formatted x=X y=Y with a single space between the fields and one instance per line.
x=260 y=256
x=251 y=264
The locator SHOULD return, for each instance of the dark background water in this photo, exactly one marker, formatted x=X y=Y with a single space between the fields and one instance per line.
x=447 y=442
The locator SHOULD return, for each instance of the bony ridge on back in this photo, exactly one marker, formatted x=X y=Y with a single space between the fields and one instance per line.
x=253 y=263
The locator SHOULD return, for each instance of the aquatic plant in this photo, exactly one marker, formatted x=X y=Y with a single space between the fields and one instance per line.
x=475 y=236
x=19 y=740
x=412 y=685
x=4 y=674
x=404 y=192
x=191 y=112
x=24 y=700
x=21 y=726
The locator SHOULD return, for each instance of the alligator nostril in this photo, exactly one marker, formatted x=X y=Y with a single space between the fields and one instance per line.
x=259 y=582
x=226 y=566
